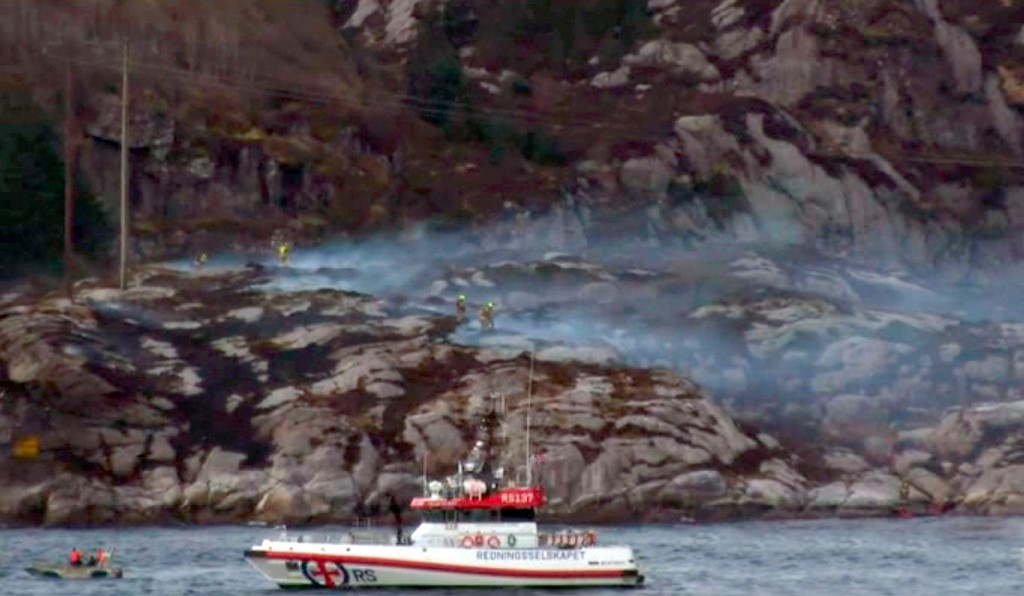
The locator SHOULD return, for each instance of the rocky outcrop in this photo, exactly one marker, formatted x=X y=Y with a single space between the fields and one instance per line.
x=214 y=396
x=821 y=132
x=781 y=338
x=203 y=399
x=886 y=130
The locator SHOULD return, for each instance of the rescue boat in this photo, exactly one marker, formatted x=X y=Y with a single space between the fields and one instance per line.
x=41 y=569
x=489 y=540
x=478 y=530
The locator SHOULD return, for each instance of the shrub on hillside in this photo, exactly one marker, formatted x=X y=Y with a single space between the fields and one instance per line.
x=530 y=35
x=435 y=83
x=442 y=95
x=32 y=198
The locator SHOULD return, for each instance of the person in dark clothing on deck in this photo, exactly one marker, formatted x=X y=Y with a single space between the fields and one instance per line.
x=359 y=512
x=396 y=511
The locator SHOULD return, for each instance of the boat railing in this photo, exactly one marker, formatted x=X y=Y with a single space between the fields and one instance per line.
x=568 y=539
x=441 y=541
x=355 y=536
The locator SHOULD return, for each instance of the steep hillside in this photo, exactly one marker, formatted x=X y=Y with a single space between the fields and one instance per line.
x=883 y=128
x=813 y=209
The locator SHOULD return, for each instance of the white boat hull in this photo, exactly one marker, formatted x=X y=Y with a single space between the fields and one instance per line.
x=298 y=565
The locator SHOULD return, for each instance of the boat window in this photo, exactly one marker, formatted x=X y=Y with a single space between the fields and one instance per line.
x=479 y=515
x=433 y=516
x=518 y=514
x=449 y=516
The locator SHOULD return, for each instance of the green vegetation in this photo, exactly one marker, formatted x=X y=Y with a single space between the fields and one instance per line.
x=721 y=189
x=532 y=35
x=32 y=194
x=440 y=92
x=879 y=35
x=992 y=181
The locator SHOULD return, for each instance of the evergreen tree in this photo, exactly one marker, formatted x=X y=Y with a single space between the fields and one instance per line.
x=32 y=197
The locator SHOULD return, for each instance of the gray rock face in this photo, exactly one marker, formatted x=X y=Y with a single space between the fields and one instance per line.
x=612 y=79
x=353 y=423
x=874 y=491
x=693 y=488
x=679 y=58
x=829 y=497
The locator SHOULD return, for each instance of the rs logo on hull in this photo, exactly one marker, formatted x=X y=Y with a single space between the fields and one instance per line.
x=328 y=574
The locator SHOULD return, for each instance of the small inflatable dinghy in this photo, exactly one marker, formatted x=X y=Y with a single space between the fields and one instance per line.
x=74 y=571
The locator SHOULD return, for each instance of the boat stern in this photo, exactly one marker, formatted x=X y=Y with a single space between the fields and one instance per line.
x=632 y=574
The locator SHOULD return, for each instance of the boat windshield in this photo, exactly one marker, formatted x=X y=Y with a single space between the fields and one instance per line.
x=478 y=515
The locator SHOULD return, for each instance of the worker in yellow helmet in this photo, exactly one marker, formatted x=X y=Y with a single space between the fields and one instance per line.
x=460 y=308
x=487 y=317
x=282 y=253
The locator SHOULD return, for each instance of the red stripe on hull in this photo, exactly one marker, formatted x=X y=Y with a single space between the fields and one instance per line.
x=470 y=569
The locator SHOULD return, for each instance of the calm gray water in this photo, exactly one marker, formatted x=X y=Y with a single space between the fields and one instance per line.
x=833 y=557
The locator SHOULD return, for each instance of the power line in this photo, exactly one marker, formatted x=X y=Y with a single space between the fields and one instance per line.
x=441 y=107
x=293 y=89
x=395 y=102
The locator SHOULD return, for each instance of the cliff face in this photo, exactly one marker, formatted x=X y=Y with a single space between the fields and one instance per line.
x=890 y=130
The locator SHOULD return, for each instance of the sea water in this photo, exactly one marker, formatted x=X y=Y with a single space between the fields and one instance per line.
x=927 y=556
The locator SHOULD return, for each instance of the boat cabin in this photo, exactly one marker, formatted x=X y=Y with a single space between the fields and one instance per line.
x=475 y=516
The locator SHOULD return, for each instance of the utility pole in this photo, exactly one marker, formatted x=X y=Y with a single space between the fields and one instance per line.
x=70 y=164
x=124 y=167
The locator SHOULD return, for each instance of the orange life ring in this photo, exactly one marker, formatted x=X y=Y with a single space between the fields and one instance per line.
x=493 y=541
x=479 y=540
x=467 y=541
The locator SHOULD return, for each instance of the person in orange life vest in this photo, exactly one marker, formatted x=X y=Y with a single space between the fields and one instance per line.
x=102 y=558
x=76 y=557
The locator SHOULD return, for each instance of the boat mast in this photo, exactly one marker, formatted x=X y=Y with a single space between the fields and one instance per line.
x=426 y=492
x=529 y=404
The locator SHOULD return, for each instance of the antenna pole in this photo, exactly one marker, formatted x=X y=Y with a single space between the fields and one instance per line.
x=529 y=405
x=425 y=492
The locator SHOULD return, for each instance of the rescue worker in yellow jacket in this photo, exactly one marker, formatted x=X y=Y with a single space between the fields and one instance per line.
x=460 y=308
x=487 y=317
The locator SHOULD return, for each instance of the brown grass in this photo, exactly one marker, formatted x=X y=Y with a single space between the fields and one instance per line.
x=242 y=49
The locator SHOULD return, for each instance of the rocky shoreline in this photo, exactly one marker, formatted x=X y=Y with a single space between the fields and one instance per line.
x=205 y=397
